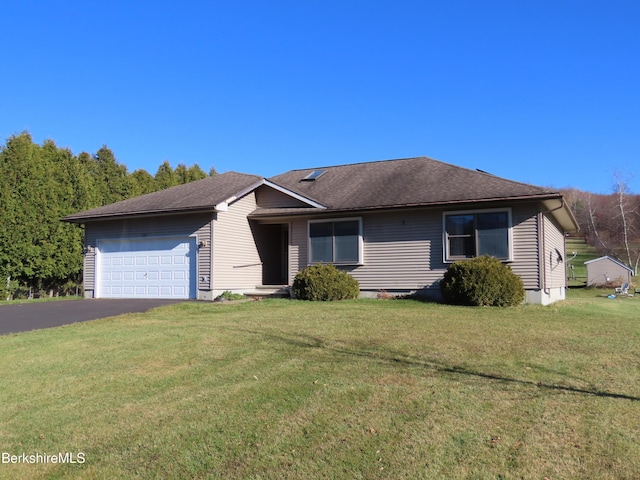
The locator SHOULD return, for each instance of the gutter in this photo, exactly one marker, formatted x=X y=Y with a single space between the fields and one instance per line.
x=291 y=212
x=118 y=216
x=569 y=215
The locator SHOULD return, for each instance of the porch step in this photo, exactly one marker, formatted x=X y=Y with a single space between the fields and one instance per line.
x=268 y=291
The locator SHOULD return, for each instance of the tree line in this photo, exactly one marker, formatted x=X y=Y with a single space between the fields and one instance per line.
x=610 y=223
x=39 y=185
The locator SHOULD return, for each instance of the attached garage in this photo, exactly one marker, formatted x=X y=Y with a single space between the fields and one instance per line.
x=159 y=267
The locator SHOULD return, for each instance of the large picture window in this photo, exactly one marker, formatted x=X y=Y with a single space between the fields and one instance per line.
x=471 y=234
x=336 y=241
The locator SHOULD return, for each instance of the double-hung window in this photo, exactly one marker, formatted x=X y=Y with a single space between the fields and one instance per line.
x=471 y=234
x=336 y=241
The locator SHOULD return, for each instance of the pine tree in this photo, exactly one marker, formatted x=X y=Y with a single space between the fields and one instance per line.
x=142 y=183
x=165 y=176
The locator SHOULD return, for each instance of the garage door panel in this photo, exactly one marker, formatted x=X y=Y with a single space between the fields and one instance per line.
x=147 y=268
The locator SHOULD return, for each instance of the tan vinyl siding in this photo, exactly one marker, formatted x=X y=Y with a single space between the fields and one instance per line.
x=178 y=225
x=267 y=197
x=604 y=269
x=602 y=272
x=298 y=248
x=89 y=266
x=236 y=262
x=554 y=253
x=403 y=250
x=526 y=262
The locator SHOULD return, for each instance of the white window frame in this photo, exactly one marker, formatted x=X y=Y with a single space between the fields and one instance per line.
x=445 y=237
x=336 y=220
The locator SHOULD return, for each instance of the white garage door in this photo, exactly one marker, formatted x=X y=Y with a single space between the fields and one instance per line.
x=147 y=268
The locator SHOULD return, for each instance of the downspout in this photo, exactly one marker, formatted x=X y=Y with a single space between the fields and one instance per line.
x=543 y=257
x=214 y=217
x=558 y=208
x=544 y=250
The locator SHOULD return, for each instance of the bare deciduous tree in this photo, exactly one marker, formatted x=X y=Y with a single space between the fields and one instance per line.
x=625 y=214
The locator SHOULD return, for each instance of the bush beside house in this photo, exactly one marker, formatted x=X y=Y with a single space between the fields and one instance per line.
x=482 y=281
x=325 y=283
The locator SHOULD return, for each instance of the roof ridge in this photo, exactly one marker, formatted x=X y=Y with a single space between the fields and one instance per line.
x=424 y=157
x=360 y=163
x=239 y=173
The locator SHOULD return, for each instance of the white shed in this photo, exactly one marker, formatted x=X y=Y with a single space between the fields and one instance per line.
x=607 y=270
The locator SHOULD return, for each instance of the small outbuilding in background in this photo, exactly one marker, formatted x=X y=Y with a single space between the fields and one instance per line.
x=607 y=271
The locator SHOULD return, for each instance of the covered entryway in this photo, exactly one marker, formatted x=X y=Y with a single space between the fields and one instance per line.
x=273 y=247
x=159 y=267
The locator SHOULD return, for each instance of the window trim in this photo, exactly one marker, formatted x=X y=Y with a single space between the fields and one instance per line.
x=445 y=237
x=360 y=260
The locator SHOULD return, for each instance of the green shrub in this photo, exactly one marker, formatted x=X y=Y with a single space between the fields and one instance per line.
x=228 y=295
x=482 y=281
x=325 y=282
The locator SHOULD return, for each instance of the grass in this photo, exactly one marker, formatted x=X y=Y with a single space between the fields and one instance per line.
x=40 y=300
x=353 y=389
x=584 y=253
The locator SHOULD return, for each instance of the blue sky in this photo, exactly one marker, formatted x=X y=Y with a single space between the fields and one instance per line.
x=542 y=92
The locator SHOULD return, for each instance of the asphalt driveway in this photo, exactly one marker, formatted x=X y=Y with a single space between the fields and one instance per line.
x=32 y=316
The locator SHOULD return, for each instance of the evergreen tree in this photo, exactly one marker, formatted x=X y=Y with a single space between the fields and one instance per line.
x=18 y=239
x=186 y=174
x=165 y=176
x=195 y=173
x=112 y=178
x=142 y=182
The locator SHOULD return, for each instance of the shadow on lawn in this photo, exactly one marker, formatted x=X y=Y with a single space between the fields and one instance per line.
x=397 y=358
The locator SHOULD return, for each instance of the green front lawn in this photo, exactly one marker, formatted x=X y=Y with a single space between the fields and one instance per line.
x=353 y=389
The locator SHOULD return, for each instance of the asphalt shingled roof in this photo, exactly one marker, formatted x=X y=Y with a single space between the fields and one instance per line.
x=383 y=184
x=404 y=182
x=200 y=195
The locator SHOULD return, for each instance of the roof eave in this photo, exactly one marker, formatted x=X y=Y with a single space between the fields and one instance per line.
x=146 y=214
x=562 y=213
x=306 y=212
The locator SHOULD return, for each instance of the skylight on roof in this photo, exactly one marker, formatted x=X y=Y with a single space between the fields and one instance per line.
x=313 y=175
